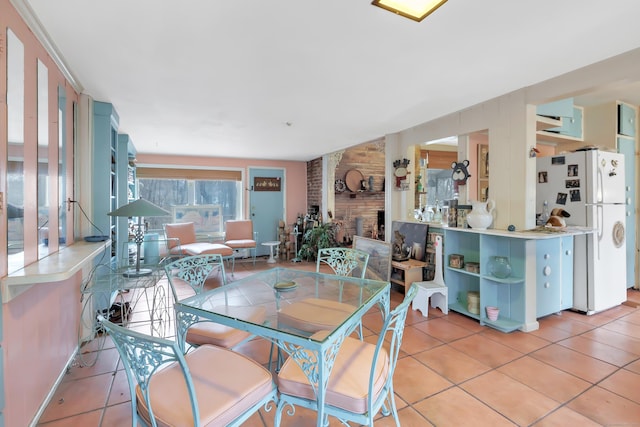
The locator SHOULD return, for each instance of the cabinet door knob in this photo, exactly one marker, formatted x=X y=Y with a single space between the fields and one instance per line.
x=547 y=285
x=546 y=271
x=568 y=252
x=547 y=256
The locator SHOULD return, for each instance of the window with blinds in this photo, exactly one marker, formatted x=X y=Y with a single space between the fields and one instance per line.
x=174 y=189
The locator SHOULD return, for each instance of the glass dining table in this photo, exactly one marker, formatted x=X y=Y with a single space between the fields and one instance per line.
x=276 y=289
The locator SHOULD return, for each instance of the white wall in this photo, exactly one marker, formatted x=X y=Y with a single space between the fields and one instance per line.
x=510 y=120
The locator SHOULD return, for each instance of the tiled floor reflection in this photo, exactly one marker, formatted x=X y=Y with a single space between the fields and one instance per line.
x=575 y=370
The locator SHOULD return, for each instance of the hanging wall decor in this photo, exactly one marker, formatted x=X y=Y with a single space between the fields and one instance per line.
x=266 y=184
x=460 y=172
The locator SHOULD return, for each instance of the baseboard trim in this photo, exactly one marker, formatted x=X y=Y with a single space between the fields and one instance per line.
x=52 y=391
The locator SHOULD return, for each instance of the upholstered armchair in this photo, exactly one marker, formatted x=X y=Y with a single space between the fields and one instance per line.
x=239 y=235
x=182 y=241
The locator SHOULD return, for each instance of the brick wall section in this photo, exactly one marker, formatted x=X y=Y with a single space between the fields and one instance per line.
x=314 y=183
x=369 y=159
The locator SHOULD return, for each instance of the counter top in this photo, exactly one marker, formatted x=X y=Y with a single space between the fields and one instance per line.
x=56 y=267
x=534 y=233
x=537 y=233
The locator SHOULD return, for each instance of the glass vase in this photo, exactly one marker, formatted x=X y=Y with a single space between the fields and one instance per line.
x=499 y=267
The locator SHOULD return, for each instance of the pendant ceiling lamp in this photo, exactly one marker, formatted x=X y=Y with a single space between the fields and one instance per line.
x=412 y=9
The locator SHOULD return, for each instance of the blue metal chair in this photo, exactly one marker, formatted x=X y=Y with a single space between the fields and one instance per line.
x=170 y=388
x=344 y=261
x=193 y=271
x=361 y=380
x=316 y=314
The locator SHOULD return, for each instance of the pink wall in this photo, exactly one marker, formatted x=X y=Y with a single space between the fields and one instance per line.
x=40 y=334
x=295 y=175
x=39 y=326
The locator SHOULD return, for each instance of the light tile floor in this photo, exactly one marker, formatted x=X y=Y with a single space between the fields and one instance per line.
x=575 y=370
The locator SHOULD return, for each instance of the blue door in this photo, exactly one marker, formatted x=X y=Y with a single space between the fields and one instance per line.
x=266 y=204
x=628 y=148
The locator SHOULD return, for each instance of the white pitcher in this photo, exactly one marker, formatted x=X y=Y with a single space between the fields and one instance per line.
x=480 y=216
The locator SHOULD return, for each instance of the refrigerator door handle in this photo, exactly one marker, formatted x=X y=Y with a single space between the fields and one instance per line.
x=600 y=225
x=599 y=185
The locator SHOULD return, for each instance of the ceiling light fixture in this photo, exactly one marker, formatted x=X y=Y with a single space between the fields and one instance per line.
x=412 y=9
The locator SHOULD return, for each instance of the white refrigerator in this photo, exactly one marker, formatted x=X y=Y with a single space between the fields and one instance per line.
x=590 y=186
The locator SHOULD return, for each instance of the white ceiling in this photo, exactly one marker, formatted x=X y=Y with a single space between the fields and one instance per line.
x=296 y=79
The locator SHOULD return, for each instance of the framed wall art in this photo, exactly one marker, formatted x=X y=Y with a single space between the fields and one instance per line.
x=206 y=218
x=266 y=184
x=379 y=266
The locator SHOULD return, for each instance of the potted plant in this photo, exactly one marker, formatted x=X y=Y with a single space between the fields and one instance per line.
x=322 y=236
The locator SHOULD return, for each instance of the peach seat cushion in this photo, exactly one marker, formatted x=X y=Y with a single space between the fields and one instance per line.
x=182 y=241
x=348 y=384
x=238 y=383
x=224 y=336
x=315 y=314
x=203 y=248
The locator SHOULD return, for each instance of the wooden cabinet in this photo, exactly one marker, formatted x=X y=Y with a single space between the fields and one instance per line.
x=509 y=293
x=405 y=273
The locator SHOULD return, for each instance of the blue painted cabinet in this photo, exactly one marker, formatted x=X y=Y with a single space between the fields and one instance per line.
x=571 y=126
x=549 y=260
x=558 y=109
x=564 y=121
x=104 y=169
x=627 y=147
x=554 y=275
x=626 y=120
x=508 y=294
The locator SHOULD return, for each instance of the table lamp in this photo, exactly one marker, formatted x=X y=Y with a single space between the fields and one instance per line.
x=139 y=208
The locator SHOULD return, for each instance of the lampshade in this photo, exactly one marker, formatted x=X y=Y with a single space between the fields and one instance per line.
x=139 y=207
x=412 y=9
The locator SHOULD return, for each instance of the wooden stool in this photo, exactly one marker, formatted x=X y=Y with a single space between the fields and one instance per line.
x=434 y=289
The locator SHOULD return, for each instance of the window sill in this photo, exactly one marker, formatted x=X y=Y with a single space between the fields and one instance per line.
x=56 y=267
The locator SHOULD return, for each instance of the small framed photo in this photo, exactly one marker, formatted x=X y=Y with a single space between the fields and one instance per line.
x=542 y=177
x=561 y=199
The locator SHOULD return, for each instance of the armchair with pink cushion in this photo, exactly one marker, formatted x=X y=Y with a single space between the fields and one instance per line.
x=182 y=241
x=239 y=234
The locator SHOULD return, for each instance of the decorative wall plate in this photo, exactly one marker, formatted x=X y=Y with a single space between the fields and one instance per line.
x=340 y=185
x=353 y=179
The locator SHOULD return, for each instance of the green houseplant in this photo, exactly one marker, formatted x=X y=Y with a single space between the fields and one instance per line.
x=322 y=236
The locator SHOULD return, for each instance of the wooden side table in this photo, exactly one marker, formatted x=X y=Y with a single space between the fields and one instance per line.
x=411 y=271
